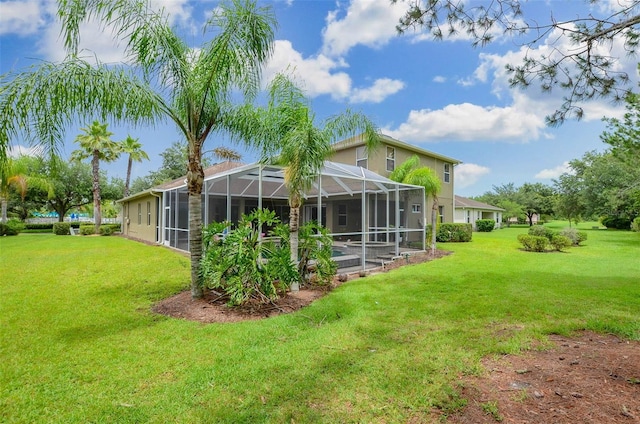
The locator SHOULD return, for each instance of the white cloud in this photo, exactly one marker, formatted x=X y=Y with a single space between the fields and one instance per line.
x=367 y=22
x=380 y=90
x=468 y=122
x=439 y=79
x=19 y=150
x=467 y=174
x=321 y=75
x=547 y=174
x=20 y=17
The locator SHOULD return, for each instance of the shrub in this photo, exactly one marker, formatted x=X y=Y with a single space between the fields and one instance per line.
x=315 y=246
x=635 y=226
x=541 y=231
x=449 y=232
x=533 y=243
x=39 y=226
x=485 y=225
x=106 y=230
x=11 y=228
x=61 y=228
x=87 y=230
x=574 y=235
x=616 y=222
x=560 y=242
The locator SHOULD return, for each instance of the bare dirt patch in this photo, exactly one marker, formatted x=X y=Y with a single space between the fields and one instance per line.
x=590 y=378
x=213 y=307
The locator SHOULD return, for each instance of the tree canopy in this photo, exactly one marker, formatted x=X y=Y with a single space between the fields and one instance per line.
x=585 y=67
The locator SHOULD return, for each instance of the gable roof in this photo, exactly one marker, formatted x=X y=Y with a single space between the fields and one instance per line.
x=358 y=141
x=463 y=202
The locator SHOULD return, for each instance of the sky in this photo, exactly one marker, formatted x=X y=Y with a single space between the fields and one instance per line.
x=443 y=96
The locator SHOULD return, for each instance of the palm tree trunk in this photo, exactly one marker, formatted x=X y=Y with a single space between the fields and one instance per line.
x=195 y=181
x=434 y=222
x=4 y=210
x=294 y=225
x=128 y=180
x=97 y=211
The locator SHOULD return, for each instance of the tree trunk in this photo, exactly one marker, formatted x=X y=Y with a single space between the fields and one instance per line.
x=128 y=180
x=195 y=181
x=4 y=210
x=294 y=225
x=434 y=222
x=97 y=211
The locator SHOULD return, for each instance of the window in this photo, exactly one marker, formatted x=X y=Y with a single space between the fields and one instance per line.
x=447 y=172
x=342 y=215
x=139 y=213
x=361 y=157
x=148 y=213
x=441 y=213
x=416 y=208
x=391 y=159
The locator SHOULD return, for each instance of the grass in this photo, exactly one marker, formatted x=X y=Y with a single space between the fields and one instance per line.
x=79 y=343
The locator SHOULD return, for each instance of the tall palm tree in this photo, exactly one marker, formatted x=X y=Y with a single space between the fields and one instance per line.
x=13 y=174
x=410 y=172
x=133 y=148
x=288 y=129
x=193 y=87
x=96 y=144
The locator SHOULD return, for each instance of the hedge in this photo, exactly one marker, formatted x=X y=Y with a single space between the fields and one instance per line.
x=485 y=225
x=449 y=232
x=61 y=228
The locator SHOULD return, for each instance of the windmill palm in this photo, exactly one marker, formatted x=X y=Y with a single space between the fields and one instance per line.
x=410 y=172
x=288 y=129
x=96 y=144
x=133 y=148
x=194 y=88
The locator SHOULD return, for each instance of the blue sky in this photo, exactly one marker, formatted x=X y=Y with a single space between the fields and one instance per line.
x=443 y=96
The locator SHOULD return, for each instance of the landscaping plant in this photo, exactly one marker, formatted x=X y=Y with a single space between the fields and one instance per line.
x=485 y=225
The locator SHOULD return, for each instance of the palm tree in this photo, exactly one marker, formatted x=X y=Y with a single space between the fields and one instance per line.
x=193 y=87
x=410 y=172
x=288 y=129
x=226 y=154
x=96 y=144
x=13 y=174
x=133 y=148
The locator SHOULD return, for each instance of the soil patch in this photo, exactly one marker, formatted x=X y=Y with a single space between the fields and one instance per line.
x=213 y=307
x=590 y=378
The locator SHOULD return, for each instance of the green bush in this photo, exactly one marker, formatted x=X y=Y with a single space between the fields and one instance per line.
x=39 y=226
x=574 y=235
x=11 y=228
x=61 y=228
x=315 y=250
x=541 y=231
x=616 y=222
x=449 y=232
x=115 y=228
x=87 y=230
x=106 y=230
x=635 y=226
x=485 y=225
x=533 y=243
x=560 y=242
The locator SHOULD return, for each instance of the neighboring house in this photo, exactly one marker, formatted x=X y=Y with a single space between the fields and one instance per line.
x=469 y=211
x=360 y=208
x=392 y=153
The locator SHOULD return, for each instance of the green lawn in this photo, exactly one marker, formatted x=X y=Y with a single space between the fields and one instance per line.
x=79 y=343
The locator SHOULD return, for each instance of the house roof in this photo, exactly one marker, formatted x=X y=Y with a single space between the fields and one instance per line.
x=358 y=140
x=208 y=172
x=463 y=202
x=337 y=179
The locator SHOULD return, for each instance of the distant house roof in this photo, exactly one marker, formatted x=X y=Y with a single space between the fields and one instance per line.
x=359 y=141
x=463 y=202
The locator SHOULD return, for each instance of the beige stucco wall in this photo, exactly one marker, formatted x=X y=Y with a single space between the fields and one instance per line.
x=377 y=162
x=141 y=225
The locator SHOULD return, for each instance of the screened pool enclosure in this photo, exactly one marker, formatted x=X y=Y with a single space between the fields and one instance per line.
x=371 y=218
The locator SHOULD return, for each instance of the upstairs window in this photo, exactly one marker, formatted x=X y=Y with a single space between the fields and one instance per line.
x=391 y=159
x=361 y=157
x=447 y=172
